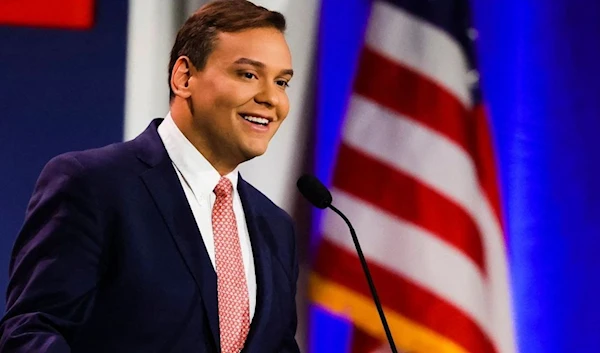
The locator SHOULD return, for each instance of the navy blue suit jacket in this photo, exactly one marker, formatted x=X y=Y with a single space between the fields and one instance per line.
x=110 y=259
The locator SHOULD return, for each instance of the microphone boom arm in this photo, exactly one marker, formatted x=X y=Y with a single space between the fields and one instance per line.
x=363 y=262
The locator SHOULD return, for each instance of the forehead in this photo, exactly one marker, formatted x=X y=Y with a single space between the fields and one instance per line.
x=267 y=45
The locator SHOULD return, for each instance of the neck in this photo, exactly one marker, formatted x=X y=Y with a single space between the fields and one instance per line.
x=185 y=122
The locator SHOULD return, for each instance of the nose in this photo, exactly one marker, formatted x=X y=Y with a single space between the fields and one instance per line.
x=268 y=95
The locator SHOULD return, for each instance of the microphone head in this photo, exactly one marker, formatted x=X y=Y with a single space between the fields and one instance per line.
x=314 y=191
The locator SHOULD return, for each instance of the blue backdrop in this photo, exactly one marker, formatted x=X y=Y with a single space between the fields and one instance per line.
x=60 y=90
x=63 y=90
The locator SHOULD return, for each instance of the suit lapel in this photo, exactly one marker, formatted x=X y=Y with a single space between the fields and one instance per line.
x=165 y=188
x=262 y=267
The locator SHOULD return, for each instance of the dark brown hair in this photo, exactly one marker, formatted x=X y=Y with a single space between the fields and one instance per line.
x=197 y=37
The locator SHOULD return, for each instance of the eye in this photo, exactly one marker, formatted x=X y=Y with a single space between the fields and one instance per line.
x=283 y=83
x=249 y=75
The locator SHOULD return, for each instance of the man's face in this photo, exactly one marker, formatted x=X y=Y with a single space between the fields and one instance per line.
x=239 y=98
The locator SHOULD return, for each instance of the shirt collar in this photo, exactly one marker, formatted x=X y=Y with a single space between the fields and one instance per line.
x=194 y=167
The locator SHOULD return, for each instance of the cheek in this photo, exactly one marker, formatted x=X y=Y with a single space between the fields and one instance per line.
x=202 y=100
x=284 y=107
x=232 y=95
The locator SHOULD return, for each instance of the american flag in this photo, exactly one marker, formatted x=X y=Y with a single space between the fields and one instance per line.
x=415 y=172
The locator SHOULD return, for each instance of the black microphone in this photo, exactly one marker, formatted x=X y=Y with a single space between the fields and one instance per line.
x=316 y=193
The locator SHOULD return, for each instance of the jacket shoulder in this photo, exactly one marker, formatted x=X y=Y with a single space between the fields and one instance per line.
x=99 y=159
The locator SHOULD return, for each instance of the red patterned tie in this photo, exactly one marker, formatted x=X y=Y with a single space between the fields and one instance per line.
x=234 y=309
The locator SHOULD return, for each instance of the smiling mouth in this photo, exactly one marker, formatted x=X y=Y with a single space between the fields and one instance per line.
x=255 y=120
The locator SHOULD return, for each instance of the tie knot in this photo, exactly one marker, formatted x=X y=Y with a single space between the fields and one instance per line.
x=223 y=188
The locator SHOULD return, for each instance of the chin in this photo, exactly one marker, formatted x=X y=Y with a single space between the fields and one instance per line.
x=255 y=154
x=251 y=153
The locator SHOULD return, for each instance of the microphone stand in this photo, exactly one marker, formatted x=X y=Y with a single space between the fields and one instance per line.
x=363 y=262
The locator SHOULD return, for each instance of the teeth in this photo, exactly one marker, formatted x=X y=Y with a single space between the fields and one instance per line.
x=256 y=119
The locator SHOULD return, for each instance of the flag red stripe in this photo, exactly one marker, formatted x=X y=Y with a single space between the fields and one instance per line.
x=414 y=96
x=407 y=198
x=402 y=296
x=486 y=161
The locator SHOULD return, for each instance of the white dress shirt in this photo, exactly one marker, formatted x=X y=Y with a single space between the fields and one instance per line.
x=199 y=178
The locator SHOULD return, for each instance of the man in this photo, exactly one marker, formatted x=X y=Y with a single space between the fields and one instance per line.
x=156 y=244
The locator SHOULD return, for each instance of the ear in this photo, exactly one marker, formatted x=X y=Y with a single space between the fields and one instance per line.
x=180 y=77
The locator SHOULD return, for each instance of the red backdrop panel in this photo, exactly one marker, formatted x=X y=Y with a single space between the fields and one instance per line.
x=77 y=14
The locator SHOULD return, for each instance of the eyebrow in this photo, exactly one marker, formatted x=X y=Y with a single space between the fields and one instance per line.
x=259 y=65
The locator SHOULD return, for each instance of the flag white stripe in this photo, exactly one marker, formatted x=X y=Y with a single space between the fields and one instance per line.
x=499 y=290
x=408 y=40
x=411 y=252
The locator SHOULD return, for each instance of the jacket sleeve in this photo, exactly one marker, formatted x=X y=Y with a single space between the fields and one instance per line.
x=55 y=264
